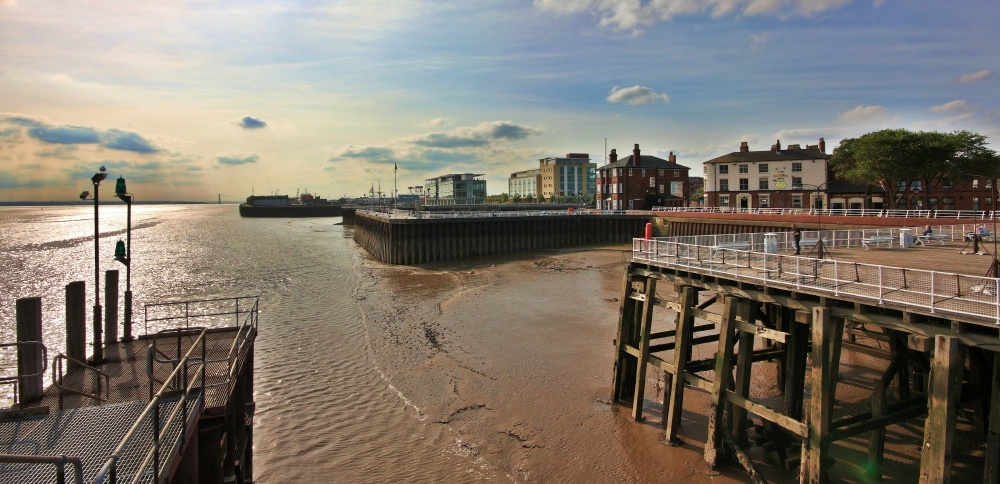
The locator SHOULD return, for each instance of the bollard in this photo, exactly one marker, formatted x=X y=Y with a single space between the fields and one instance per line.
x=649 y=231
x=76 y=321
x=29 y=357
x=111 y=309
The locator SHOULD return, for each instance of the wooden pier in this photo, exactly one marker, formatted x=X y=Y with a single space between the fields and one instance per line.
x=832 y=359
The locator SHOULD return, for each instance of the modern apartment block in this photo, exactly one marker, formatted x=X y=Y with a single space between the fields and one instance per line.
x=523 y=184
x=573 y=176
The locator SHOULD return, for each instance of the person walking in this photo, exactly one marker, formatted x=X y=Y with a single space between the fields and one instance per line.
x=797 y=238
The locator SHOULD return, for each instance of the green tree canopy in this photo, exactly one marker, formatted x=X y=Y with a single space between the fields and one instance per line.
x=890 y=156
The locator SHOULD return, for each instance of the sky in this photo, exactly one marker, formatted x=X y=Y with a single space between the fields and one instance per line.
x=194 y=100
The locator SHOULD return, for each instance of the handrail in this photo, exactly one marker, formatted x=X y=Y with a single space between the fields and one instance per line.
x=108 y=472
x=843 y=212
x=935 y=291
x=187 y=315
x=15 y=381
x=58 y=375
x=57 y=460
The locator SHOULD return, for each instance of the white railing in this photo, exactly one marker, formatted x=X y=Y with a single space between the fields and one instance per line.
x=842 y=212
x=722 y=255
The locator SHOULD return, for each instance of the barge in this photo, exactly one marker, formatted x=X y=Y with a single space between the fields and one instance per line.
x=306 y=205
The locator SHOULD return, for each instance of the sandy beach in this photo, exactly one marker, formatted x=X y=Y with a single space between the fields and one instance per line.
x=514 y=357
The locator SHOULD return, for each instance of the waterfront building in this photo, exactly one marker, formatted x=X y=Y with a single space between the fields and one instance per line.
x=523 y=184
x=794 y=177
x=573 y=176
x=641 y=182
x=455 y=189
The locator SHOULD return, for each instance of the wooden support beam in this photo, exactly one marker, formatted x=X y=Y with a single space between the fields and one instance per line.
x=789 y=424
x=723 y=368
x=827 y=332
x=744 y=365
x=640 y=369
x=939 y=429
x=623 y=380
x=876 y=442
x=797 y=354
x=708 y=338
x=991 y=473
x=685 y=324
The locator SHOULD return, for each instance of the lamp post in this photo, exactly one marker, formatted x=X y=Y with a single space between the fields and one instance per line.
x=123 y=253
x=98 y=346
x=820 y=247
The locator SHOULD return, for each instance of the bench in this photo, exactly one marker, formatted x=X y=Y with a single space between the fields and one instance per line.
x=940 y=238
x=877 y=240
x=730 y=246
x=810 y=242
x=983 y=234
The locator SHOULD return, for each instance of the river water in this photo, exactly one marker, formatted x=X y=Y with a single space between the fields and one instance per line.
x=365 y=372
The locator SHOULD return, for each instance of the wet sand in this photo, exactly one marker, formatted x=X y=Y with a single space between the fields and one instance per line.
x=514 y=357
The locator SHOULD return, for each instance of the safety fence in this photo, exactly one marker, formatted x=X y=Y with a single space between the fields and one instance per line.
x=842 y=212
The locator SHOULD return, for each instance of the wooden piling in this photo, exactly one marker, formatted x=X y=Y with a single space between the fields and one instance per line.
x=674 y=386
x=991 y=474
x=29 y=357
x=945 y=384
x=641 y=363
x=76 y=321
x=723 y=369
x=827 y=334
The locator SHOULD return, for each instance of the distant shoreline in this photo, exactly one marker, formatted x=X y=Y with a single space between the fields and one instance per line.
x=112 y=201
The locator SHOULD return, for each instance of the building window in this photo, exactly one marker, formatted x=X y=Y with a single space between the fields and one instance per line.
x=765 y=201
x=947 y=183
x=677 y=188
x=975 y=183
x=723 y=169
x=902 y=186
x=643 y=172
x=661 y=171
x=677 y=173
x=932 y=204
x=629 y=172
x=744 y=184
x=975 y=203
x=661 y=189
x=763 y=183
x=723 y=185
x=744 y=168
x=917 y=185
x=948 y=203
x=796 y=166
x=989 y=183
x=796 y=183
x=989 y=202
x=723 y=200
x=652 y=181
x=620 y=188
x=762 y=168
x=796 y=200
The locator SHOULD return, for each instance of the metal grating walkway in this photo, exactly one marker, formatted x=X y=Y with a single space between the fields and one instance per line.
x=91 y=433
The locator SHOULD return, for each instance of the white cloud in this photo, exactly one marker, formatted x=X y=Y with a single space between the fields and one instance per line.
x=758 y=40
x=952 y=107
x=862 y=113
x=436 y=122
x=976 y=76
x=636 y=95
x=632 y=14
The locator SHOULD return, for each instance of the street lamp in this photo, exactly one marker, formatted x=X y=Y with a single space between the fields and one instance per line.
x=820 y=247
x=98 y=346
x=123 y=253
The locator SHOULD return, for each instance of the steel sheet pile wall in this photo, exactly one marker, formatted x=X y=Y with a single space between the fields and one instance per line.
x=415 y=241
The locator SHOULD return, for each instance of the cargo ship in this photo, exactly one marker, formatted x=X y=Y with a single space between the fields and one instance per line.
x=305 y=205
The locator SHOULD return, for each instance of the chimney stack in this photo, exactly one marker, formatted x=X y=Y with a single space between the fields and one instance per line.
x=778 y=145
x=744 y=147
x=635 y=155
x=672 y=158
x=613 y=157
x=822 y=145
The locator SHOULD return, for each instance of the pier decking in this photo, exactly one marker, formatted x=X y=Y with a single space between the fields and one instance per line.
x=821 y=352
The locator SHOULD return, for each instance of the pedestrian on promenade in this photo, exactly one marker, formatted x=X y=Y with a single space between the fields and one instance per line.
x=797 y=238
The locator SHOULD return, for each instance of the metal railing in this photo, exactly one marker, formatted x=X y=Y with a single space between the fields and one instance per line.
x=206 y=313
x=935 y=291
x=59 y=461
x=192 y=390
x=842 y=212
x=58 y=376
x=15 y=380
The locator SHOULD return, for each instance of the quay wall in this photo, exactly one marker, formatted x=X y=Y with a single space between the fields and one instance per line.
x=416 y=241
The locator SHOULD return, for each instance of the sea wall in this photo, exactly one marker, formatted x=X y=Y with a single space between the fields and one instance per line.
x=416 y=241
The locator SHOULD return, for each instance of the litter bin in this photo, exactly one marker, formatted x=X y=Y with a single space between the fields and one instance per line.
x=770 y=243
x=906 y=237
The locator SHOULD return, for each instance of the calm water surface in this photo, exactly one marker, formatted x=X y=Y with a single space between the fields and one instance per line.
x=324 y=409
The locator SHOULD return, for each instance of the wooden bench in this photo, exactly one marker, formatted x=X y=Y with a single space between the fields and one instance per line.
x=877 y=240
x=940 y=238
x=730 y=246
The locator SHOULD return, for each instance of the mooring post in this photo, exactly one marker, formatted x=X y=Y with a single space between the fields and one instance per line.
x=682 y=348
x=29 y=357
x=723 y=371
x=640 y=367
x=76 y=322
x=942 y=410
x=111 y=306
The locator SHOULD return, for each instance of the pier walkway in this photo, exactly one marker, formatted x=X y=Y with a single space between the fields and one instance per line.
x=868 y=363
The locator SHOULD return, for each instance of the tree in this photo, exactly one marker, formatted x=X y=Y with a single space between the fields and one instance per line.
x=890 y=156
x=697 y=196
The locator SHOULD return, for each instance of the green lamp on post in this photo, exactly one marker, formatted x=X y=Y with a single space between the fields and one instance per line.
x=123 y=254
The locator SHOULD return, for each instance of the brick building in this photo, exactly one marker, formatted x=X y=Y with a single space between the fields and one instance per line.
x=794 y=177
x=642 y=182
